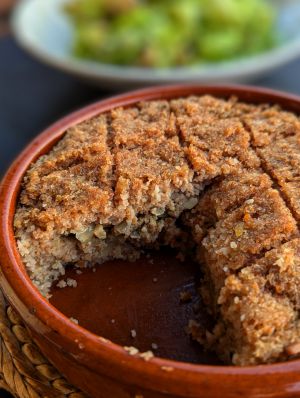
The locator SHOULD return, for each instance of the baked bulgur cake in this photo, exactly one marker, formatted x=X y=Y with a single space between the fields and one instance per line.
x=217 y=179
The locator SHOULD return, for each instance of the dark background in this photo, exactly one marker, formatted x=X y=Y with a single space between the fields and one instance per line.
x=32 y=96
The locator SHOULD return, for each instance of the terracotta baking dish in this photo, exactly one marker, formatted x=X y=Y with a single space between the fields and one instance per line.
x=104 y=369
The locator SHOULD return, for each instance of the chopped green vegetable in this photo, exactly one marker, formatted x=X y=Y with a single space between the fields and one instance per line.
x=170 y=33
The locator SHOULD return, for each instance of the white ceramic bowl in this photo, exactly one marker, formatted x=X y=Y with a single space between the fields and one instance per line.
x=41 y=27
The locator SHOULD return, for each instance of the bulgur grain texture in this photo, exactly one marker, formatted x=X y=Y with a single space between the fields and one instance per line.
x=212 y=177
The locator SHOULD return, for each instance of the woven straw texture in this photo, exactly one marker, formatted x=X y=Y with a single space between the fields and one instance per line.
x=24 y=371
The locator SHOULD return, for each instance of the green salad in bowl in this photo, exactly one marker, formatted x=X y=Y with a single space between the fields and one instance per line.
x=167 y=33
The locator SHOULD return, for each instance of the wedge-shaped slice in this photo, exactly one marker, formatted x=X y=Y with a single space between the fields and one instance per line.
x=260 y=224
x=223 y=197
x=259 y=309
x=276 y=136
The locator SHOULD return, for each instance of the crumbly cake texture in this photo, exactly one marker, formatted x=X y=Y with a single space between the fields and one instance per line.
x=217 y=179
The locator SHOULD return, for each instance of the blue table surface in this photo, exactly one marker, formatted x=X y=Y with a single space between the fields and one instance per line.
x=32 y=96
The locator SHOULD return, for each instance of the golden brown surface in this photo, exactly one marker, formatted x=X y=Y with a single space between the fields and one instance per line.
x=217 y=179
x=260 y=307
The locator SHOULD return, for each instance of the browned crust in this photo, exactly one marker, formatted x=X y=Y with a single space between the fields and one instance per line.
x=229 y=171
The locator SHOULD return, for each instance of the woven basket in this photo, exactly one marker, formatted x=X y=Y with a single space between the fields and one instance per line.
x=24 y=371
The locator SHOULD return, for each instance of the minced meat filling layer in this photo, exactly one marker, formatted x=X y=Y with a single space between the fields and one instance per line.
x=217 y=179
